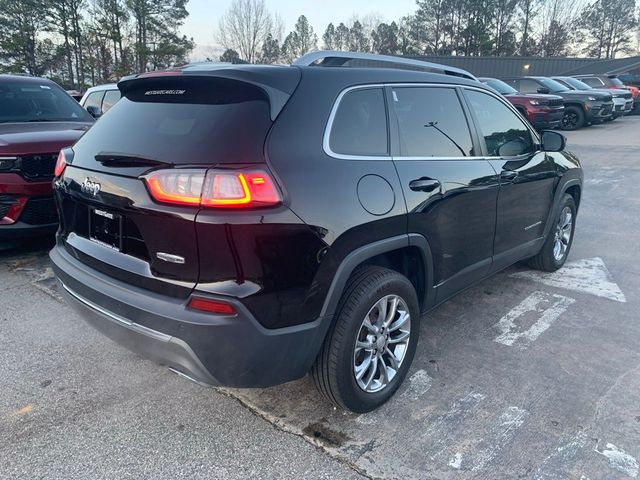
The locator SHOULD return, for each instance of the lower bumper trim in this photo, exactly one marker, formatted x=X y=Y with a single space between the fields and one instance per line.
x=158 y=346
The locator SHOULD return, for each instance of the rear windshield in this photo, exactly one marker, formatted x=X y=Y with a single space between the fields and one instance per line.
x=197 y=120
x=29 y=101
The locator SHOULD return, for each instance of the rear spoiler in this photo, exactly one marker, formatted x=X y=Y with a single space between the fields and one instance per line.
x=277 y=82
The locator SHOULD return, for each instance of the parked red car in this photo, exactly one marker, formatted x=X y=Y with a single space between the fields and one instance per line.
x=542 y=110
x=37 y=119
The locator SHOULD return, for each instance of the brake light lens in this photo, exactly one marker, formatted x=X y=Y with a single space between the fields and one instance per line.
x=61 y=164
x=214 y=189
x=180 y=187
x=212 y=306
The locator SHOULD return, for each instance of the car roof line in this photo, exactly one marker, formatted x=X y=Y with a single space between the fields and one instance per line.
x=333 y=58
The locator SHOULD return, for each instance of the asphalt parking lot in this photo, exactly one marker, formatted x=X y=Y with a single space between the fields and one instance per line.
x=526 y=375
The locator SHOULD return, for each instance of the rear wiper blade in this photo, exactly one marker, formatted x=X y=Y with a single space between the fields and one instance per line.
x=127 y=160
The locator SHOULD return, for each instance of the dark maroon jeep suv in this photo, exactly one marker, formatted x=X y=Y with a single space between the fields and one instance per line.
x=542 y=110
x=248 y=224
x=37 y=119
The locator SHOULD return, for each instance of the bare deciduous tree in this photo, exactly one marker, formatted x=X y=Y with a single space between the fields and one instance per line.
x=245 y=27
x=558 y=20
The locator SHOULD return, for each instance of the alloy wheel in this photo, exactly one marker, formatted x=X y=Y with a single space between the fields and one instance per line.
x=382 y=343
x=563 y=234
x=570 y=120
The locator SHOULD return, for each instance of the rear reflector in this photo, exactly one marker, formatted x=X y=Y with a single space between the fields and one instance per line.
x=215 y=189
x=211 y=306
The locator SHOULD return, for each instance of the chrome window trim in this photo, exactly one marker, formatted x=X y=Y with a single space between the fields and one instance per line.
x=327 y=132
x=326 y=141
x=536 y=138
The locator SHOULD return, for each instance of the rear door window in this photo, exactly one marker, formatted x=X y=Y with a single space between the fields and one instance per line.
x=360 y=124
x=110 y=99
x=94 y=100
x=431 y=122
x=504 y=133
x=593 y=82
x=514 y=83
x=529 y=86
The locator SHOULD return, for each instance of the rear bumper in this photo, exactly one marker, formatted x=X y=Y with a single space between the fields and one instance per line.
x=233 y=351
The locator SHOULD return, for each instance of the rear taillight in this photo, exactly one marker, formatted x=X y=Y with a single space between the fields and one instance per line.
x=61 y=164
x=214 y=189
x=211 y=306
x=181 y=187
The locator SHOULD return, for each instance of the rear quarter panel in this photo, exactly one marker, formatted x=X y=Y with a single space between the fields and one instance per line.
x=322 y=190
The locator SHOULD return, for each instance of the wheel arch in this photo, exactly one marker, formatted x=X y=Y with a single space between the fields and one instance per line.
x=574 y=188
x=576 y=104
x=409 y=255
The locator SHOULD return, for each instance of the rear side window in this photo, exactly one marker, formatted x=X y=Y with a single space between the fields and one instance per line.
x=360 y=124
x=194 y=120
x=529 y=86
x=513 y=83
x=593 y=82
x=616 y=81
x=504 y=134
x=110 y=99
x=431 y=123
x=94 y=100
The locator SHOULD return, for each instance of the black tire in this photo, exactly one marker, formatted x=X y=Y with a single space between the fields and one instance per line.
x=333 y=372
x=572 y=119
x=546 y=260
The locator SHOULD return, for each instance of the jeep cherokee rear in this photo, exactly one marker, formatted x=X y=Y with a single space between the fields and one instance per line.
x=246 y=225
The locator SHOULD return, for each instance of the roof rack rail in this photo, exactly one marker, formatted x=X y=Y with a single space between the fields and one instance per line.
x=332 y=58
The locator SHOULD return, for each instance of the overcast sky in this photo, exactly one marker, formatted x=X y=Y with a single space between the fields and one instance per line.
x=204 y=15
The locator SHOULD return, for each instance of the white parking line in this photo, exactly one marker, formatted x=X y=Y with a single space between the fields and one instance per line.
x=499 y=435
x=443 y=430
x=620 y=460
x=589 y=275
x=545 y=307
x=419 y=384
x=456 y=461
x=556 y=465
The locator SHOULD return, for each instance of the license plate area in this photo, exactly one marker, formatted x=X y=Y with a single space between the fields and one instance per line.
x=105 y=228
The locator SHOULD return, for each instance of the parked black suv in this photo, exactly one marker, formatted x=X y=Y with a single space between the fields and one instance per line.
x=245 y=225
x=580 y=108
x=622 y=99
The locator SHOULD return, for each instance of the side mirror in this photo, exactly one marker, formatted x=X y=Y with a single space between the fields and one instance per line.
x=553 y=141
x=94 y=111
x=544 y=90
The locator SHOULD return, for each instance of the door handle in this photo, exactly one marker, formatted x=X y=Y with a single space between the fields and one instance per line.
x=424 y=184
x=508 y=175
